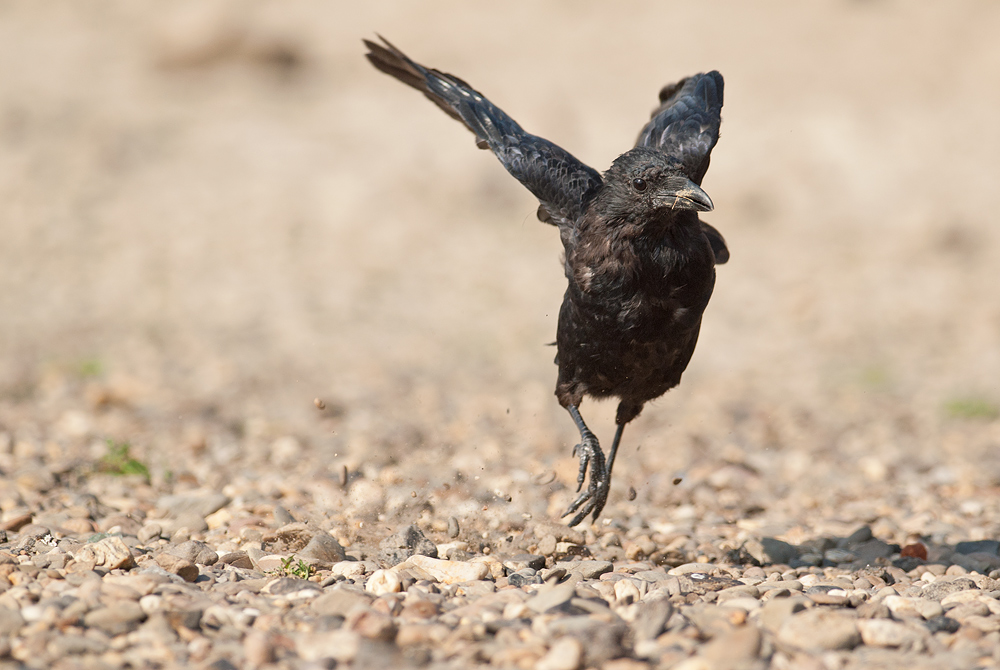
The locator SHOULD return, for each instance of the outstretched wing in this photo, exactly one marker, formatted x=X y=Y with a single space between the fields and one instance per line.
x=686 y=124
x=561 y=183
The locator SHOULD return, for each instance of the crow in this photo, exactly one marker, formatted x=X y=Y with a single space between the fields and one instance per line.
x=639 y=262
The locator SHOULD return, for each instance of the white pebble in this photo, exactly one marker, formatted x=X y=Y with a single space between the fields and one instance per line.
x=626 y=591
x=384 y=581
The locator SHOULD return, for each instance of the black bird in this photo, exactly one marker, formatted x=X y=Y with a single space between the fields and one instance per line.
x=640 y=263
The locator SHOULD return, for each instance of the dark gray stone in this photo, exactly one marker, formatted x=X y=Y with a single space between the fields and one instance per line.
x=395 y=549
x=868 y=553
x=775 y=551
x=519 y=579
x=980 y=546
x=453 y=528
x=323 y=550
x=860 y=536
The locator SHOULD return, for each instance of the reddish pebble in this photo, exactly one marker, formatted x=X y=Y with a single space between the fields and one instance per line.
x=916 y=550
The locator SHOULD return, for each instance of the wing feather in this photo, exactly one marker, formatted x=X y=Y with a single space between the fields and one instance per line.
x=686 y=124
x=562 y=184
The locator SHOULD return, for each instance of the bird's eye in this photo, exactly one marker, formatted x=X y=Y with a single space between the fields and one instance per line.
x=639 y=184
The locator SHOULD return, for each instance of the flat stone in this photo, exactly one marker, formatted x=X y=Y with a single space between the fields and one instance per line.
x=110 y=553
x=447 y=572
x=689 y=568
x=961 y=598
x=586 y=569
x=552 y=597
x=921 y=608
x=195 y=552
x=829 y=599
x=941 y=588
x=980 y=546
x=184 y=568
x=820 y=629
x=868 y=553
x=887 y=633
x=200 y=505
x=123 y=617
x=340 y=602
x=966 y=610
x=323 y=550
x=237 y=559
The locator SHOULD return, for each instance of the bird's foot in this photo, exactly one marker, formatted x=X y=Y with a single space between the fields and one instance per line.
x=596 y=495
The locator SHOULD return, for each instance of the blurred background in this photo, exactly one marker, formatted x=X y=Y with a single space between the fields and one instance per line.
x=213 y=212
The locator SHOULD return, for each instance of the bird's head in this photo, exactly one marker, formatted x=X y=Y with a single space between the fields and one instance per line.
x=646 y=183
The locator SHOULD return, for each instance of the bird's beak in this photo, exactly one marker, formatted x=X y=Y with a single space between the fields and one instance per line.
x=681 y=193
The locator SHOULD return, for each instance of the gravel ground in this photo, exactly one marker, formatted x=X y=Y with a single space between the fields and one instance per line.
x=273 y=383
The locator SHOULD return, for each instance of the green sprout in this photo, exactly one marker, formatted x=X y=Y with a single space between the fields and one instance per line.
x=291 y=568
x=119 y=462
x=971 y=408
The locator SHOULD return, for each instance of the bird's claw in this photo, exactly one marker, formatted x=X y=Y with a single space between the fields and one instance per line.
x=596 y=495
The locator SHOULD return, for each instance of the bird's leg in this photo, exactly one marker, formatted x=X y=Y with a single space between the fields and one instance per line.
x=590 y=454
x=614 y=450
